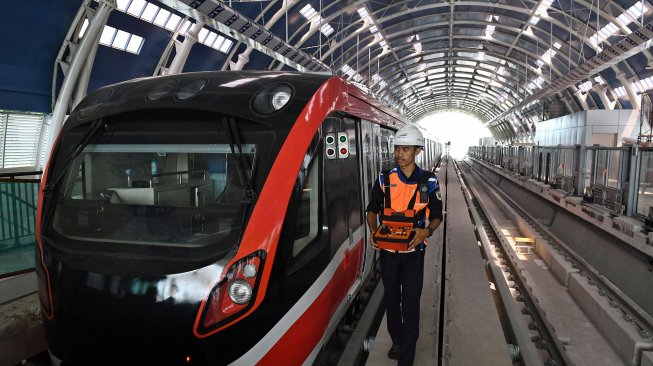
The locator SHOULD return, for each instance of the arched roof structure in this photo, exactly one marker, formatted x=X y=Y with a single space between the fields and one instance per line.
x=511 y=63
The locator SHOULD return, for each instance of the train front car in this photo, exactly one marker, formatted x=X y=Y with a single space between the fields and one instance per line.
x=175 y=224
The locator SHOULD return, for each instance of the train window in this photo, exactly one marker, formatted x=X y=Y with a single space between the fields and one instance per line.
x=164 y=184
x=306 y=225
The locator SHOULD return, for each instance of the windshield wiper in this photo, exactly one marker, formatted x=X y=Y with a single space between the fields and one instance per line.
x=86 y=139
x=249 y=194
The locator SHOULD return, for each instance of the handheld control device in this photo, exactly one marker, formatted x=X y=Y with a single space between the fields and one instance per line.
x=394 y=236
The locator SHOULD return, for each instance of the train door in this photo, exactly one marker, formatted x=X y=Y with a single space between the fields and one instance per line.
x=343 y=195
x=369 y=161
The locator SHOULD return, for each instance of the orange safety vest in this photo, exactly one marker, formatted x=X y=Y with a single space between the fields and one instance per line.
x=404 y=208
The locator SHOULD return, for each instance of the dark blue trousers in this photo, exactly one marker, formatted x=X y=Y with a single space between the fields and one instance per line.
x=403 y=276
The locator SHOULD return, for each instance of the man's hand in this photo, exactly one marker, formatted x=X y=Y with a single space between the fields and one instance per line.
x=420 y=235
x=374 y=245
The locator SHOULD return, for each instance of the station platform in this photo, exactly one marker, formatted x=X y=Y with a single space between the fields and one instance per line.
x=459 y=322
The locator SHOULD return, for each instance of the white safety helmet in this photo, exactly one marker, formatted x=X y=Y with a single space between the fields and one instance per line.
x=409 y=135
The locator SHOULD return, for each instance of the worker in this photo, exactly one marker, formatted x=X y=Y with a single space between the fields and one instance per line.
x=405 y=187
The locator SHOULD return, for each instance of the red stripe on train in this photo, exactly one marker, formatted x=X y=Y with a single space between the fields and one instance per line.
x=304 y=335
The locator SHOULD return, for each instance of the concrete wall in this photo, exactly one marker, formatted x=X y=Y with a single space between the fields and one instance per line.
x=588 y=128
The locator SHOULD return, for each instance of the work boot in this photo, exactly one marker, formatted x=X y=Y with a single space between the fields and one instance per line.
x=393 y=353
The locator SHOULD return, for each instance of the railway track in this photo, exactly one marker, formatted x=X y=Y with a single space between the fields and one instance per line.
x=546 y=340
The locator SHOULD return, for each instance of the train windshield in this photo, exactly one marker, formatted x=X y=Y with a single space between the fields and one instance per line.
x=177 y=184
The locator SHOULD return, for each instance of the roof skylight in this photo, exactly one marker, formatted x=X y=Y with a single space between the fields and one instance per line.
x=417 y=45
x=119 y=39
x=170 y=21
x=351 y=73
x=584 y=87
x=620 y=92
x=316 y=19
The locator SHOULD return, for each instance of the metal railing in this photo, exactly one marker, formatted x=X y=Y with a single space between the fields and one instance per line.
x=18 y=201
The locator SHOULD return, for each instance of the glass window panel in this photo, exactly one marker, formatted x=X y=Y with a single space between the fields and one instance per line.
x=306 y=225
x=162 y=17
x=107 y=35
x=211 y=39
x=150 y=12
x=123 y=4
x=645 y=189
x=614 y=168
x=226 y=46
x=136 y=7
x=201 y=36
x=135 y=44
x=121 y=39
x=601 y=167
x=218 y=43
x=173 y=22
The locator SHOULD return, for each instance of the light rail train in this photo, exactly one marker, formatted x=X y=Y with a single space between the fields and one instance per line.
x=209 y=218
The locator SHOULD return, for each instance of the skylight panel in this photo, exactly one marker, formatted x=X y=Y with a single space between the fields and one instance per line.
x=465 y=69
x=107 y=35
x=327 y=30
x=620 y=92
x=374 y=29
x=210 y=39
x=120 y=40
x=135 y=44
x=185 y=27
x=480 y=56
x=637 y=10
x=599 y=79
x=557 y=45
x=548 y=55
x=136 y=7
x=639 y=86
x=489 y=31
x=584 y=87
x=417 y=46
x=226 y=46
x=122 y=5
x=534 y=20
x=648 y=82
x=308 y=11
x=161 y=17
x=383 y=44
x=315 y=18
x=364 y=14
x=608 y=30
x=218 y=43
x=633 y=13
x=201 y=36
x=173 y=22
x=150 y=12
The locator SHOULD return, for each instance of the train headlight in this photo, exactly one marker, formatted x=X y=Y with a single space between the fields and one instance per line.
x=233 y=297
x=272 y=98
x=249 y=271
x=240 y=292
x=280 y=98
